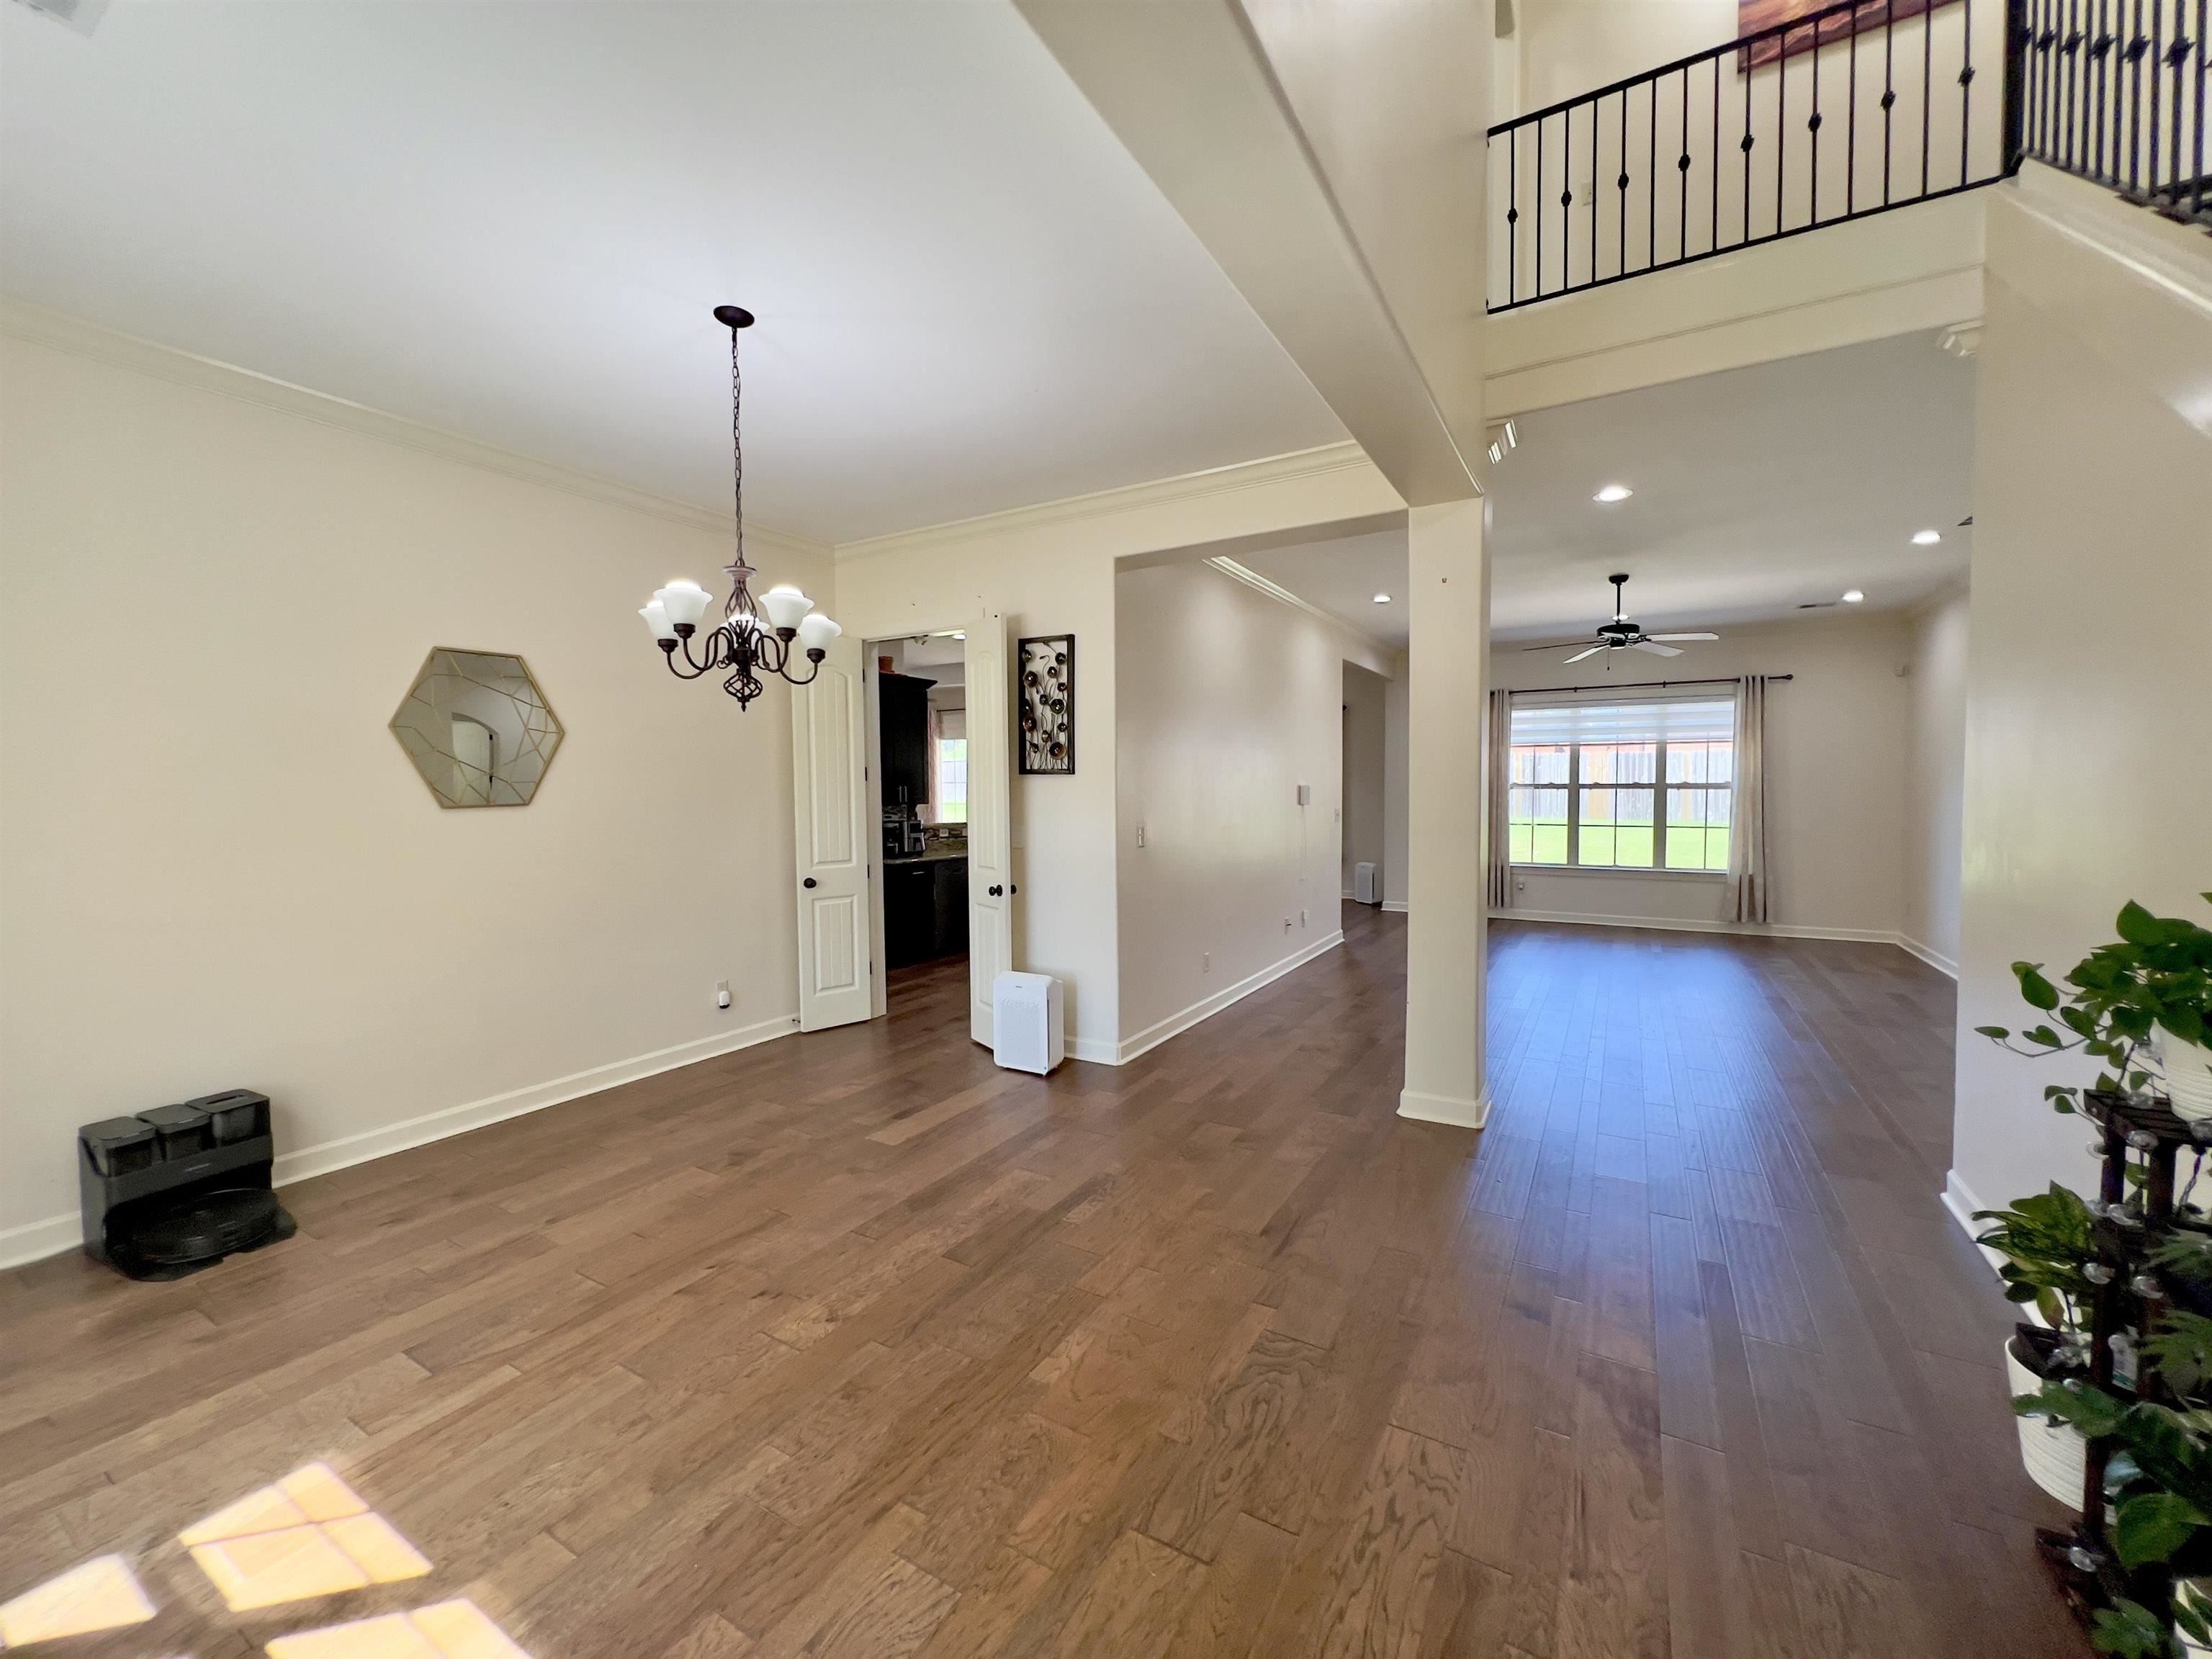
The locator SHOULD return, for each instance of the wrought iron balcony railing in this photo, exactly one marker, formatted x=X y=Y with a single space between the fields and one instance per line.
x=1852 y=110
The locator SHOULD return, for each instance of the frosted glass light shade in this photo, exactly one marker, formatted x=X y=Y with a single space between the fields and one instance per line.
x=784 y=605
x=744 y=622
x=685 y=602
x=656 y=618
x=815 y=631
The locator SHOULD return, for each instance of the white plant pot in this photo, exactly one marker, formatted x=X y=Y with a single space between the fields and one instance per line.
x=2192 y=1590
x=2188 y=1077
x=2056 y=1455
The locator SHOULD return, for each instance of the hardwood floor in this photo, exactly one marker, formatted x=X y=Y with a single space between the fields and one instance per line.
x=852 y=1346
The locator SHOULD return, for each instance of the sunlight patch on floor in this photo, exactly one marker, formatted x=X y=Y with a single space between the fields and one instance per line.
x=101 y=1595
x=308 y=1535
x=451 y=1630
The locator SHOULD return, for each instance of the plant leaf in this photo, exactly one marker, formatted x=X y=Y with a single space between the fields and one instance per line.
x=2152 y=1525
x=2038 y=992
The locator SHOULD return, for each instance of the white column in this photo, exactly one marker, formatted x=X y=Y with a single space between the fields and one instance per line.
x=1447 y=674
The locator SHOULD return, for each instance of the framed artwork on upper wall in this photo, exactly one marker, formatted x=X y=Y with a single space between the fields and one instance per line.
x=1046 y=664
x=1870 y=14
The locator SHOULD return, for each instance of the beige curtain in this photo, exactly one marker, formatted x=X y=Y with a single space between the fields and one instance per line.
x=1747 y=870
x=1497 y=778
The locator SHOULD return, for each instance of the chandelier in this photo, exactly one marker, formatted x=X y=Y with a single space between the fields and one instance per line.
x=744 y=642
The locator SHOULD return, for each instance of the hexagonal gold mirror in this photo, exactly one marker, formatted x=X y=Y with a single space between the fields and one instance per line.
x=477 y=728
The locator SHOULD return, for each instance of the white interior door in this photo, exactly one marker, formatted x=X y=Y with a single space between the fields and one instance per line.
x=990 y=870
x=828 y=744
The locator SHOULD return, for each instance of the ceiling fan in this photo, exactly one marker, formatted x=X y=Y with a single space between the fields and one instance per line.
x=1622 y=635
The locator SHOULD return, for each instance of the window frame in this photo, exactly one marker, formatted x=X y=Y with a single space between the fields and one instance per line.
x=1659 y=788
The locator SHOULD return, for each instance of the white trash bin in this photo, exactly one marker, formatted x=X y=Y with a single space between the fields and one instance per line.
x=1029 y=1022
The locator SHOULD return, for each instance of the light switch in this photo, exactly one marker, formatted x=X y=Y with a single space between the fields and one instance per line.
x=1305 y=794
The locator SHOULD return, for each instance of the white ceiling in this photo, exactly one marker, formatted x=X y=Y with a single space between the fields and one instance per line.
x=512 y=220
x=1757 y=491
x=1342 y=576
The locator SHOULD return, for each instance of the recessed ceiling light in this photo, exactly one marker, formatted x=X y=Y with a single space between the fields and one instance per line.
x=1614 y=493
x=1853 y=597
x=1382 y=598
x=1926 y=538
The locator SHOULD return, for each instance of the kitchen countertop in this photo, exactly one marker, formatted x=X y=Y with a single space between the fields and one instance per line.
x=929 y=857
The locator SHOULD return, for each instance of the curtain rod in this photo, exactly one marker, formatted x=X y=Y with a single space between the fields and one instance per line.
x=1646 y=685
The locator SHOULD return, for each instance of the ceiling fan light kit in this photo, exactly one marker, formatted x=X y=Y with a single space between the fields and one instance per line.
x=1622 y=635
x=743 y=641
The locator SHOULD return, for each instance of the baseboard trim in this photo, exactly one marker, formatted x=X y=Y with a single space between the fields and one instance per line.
x=1745 y=929
x=35 y=1240
x=1445 y=1108
x=1396 y=906
x=1099 y=1051
x=1935 y=959
x=1959 y=1199
x=1177 y=1024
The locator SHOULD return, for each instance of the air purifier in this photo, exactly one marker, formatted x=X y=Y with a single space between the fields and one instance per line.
x=1029 y=1022
x=1366 y=884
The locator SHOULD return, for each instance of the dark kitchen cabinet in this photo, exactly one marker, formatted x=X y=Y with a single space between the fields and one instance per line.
x=902 y=709
x=925 y=909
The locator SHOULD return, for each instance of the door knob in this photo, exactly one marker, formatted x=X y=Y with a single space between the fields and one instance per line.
x=809 y=882
x=996 y=892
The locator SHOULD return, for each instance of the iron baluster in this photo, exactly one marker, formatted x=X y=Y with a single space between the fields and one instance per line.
x=1927 y=87
x=1967 y=91
x=1888 y=90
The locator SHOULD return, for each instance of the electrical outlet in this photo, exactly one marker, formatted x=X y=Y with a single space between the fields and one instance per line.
x=1140 y=834
x=1301 y=918
x=721 y=994
x=1206 y=962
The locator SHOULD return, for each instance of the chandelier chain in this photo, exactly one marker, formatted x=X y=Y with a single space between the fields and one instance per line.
x=737 y=444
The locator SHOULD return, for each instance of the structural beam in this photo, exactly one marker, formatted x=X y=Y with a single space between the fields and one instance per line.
x=1189 y=88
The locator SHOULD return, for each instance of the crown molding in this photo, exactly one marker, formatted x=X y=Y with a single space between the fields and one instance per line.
x=1275 y=591
x=41 y=325
x=1299 y=466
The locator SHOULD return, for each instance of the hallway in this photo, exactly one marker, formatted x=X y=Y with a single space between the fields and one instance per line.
x=854 y=1345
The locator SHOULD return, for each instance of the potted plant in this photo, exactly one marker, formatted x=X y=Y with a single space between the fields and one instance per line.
x=2159 y=1486
x=2049 y=1253
x=2147 y=994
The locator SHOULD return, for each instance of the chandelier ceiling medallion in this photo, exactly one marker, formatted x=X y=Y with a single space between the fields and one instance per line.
x=743 y=641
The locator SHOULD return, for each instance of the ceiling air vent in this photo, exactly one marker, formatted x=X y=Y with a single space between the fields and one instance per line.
x=83 y=15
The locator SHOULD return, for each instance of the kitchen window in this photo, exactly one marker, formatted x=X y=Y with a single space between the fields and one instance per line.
x=1643 y=784
x=952 y=780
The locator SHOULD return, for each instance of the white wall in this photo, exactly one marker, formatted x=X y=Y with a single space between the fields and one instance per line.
x=1050 y=570
x=2088 y=674
x=1935 y=779
x=1226 y=701
x=1836 y=739
x=1364 y=782
x=220 y=867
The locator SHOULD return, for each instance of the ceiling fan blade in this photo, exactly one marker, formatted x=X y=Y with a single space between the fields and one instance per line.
x=1555 y=645
x=1579 y=655
x=1655 y=650
x=1681 y=636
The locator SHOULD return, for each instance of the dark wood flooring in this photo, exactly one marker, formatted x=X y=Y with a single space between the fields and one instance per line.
x=851 y=1346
